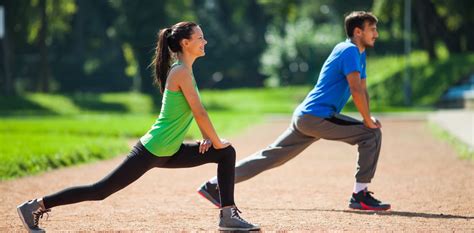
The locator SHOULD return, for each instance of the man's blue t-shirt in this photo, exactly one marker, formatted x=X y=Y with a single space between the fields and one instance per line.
x=332 y=89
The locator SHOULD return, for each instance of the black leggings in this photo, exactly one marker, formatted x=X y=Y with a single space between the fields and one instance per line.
x=139 y=161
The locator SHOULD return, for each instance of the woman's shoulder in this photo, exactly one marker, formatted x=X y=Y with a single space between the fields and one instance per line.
x=179 y=72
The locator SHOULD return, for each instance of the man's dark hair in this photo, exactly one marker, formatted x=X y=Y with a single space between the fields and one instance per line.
x=356 y=19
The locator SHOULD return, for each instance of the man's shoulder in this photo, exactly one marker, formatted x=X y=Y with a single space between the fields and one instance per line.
x=345 y=46
x=343 y=50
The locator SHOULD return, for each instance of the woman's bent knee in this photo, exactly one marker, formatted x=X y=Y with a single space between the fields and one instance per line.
x=228 y=153
x=230 y=150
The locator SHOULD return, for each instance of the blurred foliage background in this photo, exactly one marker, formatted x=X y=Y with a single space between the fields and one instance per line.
x=70 y=46
x=75 y=82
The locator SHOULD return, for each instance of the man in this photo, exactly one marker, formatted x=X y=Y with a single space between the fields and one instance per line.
x=342 y=75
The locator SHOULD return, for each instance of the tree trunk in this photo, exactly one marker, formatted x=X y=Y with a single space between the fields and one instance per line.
x=469 y=35
x=79 y=30
x=43 y=84
x=8 y=84
x=422 y=23
x=450 y=38
x=436 y=25
x=7 y=44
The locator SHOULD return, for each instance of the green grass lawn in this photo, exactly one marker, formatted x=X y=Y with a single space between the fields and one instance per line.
x=34 y=144
x=43 y=132
x=260 y=100
x=106 y=124
x=25 y=153
x=382 y=68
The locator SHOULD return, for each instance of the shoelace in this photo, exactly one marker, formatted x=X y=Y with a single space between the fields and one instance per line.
x=368 y=194
x=39 y=214
x=235 y=214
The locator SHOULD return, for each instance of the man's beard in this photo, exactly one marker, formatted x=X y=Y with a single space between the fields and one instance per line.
x=367 y=45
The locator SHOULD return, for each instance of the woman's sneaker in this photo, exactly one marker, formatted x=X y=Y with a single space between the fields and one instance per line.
x=211 y=193
x=230 y=220
x=30 y=212
x=364 y=200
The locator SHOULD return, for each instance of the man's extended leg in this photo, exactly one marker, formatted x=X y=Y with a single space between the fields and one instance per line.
x=287 y=146
x=290 y=144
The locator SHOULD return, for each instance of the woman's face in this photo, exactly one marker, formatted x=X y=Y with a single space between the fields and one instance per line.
x=195 y=45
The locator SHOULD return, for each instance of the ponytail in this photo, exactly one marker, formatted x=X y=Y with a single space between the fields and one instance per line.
x=161 y=62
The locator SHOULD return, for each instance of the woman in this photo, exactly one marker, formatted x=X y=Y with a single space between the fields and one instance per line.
x=162 y=145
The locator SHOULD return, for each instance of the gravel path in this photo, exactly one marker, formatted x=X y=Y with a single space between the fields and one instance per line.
x=429 y=188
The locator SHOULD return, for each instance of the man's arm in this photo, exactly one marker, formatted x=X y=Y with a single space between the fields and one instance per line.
x=364 y=86
x=361 y=98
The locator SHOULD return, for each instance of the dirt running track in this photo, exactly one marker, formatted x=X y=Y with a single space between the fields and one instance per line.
x=429 y=187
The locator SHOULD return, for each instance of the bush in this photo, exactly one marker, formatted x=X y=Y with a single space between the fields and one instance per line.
x=428 y=81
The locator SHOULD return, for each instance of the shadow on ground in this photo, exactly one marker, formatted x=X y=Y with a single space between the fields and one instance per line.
x=381 y=213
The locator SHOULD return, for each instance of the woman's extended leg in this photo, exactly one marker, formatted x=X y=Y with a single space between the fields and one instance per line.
x=133 y=167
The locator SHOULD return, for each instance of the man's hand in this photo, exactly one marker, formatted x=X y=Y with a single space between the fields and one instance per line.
x=377 y=122
x=373 y=123
x=204 y=145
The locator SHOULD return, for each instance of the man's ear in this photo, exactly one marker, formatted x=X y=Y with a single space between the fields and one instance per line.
x=357 y=31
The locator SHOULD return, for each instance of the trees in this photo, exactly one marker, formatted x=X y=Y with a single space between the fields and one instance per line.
x=32 y=26
x=435 y=22
x=81 y=45
x=300 y=36
x=235 y=32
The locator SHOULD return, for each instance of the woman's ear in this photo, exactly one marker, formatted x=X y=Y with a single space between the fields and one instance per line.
x=184 y=43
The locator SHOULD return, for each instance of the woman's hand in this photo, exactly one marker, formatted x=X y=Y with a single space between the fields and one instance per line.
x=223 y=144
x=204 y=145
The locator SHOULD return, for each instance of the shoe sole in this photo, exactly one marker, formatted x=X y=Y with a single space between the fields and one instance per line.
x=238 y=229
x=208 y=197
x=362 y=206
x=22 y=218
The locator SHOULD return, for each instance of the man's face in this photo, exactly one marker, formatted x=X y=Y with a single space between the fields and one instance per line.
x=369 y=34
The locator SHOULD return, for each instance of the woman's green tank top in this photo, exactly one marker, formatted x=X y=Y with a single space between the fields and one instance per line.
x=167 y=133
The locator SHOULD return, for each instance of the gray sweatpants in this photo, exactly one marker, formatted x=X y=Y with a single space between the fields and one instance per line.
x=306 y=129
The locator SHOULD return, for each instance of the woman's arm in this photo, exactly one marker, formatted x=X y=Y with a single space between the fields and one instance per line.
x=183 y=78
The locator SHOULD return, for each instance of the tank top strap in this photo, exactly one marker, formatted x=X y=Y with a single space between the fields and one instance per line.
x=176 y=63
